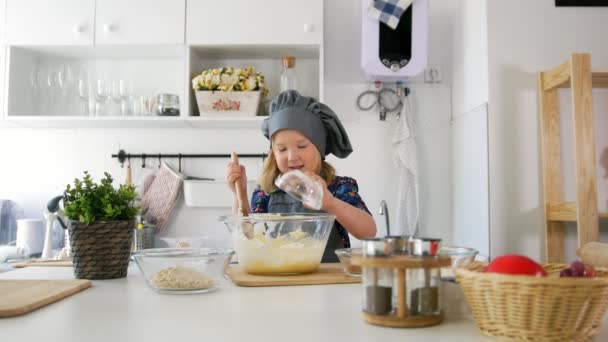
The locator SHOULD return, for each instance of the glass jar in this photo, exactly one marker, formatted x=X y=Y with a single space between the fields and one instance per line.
x=377 y=282
x=167 y=105
x=423 y=284
x=289 y=78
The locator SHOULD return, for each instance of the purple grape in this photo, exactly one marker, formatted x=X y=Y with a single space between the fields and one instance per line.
x=566 y=272
x=578 y=269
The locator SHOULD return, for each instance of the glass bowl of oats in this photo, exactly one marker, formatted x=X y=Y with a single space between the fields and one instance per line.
x=183 y=270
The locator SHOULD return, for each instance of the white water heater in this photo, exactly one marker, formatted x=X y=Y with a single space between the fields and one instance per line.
x=395 y=55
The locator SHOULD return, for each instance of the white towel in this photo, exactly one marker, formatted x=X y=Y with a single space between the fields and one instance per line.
x=406 y=159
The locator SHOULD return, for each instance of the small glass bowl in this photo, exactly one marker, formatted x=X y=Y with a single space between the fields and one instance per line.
x=345 y=254
x=185 y=241
x=303 y=188
x=183 y=270
x=461 y=256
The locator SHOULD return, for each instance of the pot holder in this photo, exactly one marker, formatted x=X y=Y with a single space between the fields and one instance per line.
x=160 y=197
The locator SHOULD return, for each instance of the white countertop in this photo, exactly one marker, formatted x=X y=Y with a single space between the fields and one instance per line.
x=127 y=310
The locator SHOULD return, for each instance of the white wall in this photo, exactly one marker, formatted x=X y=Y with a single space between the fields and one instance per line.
x=37 y=163
x=525 y=37
x=470 y=180
x=469 y=59
x=469 y=55
x=2 y=60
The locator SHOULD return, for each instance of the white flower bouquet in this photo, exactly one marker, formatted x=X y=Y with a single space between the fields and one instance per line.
x=229 y=91
x=230 y=79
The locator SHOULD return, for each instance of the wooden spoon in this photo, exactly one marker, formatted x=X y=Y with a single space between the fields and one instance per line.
x=241 y=197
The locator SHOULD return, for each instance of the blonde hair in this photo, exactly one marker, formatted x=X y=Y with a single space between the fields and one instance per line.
x=271 y=172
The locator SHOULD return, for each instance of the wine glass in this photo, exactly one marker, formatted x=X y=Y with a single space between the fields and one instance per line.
x=64 y=80
x=85 y=92
x=102 y=94
x=34 y=80
x=121 y=91
x=49 y=81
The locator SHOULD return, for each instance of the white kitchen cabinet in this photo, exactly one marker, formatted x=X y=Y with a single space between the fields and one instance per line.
x=140 y=22
x=144 y=42
x=254 y=22
x=43 y=22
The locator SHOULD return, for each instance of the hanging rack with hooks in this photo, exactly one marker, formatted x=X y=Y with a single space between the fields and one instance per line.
x=380 y=98
x=122 y=155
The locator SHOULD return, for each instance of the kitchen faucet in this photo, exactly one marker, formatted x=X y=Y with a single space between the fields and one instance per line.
x=384 y=211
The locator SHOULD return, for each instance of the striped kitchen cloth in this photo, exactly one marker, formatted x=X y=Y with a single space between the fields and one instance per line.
x=161 y=196
x=388 y=11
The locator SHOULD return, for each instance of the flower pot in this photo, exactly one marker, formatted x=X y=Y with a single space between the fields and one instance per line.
x=229 y=103
x=101 y=250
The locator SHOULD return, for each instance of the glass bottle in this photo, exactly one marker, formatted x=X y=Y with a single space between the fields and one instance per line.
x=377 y=282
x=289 y=78
x=423 y=284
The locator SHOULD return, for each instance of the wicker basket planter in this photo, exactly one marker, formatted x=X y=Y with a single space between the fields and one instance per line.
x=228 y=103
x=101 y=250
x=524 y=308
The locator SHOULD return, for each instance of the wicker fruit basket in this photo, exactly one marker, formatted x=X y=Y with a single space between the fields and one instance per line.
x=525 y=308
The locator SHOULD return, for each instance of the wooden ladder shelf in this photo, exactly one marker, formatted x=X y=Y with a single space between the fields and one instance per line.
x=577 y=75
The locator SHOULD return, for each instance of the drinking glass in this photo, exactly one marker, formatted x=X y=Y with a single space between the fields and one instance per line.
x=50 y=81
x=121 y=92
x=85 y=92
x=34 y=80
x=64 y=81
x=102 y=94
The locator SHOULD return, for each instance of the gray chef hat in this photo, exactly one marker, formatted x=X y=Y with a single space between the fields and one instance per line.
x=318 y=123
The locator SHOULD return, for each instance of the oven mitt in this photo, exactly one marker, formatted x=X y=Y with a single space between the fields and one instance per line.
x=160 y=198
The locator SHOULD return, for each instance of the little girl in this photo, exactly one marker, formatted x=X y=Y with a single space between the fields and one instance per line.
x=301 y=132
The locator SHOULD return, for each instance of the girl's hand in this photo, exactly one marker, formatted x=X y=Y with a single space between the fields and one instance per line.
x=327 y=196
x=236 y=172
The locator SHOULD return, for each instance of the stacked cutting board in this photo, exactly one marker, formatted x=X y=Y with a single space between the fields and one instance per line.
x=18 y=297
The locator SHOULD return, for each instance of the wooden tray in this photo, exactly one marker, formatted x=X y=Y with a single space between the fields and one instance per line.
x=18 y=297
x=54 y=263
x=331 y=273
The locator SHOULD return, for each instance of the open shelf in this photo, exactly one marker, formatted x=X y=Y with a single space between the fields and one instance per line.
x=267 y=59
x=149 y=70
x=133 y=122
x=152 y=70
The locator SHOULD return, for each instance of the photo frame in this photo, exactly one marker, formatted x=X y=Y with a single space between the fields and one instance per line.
x=581 y=3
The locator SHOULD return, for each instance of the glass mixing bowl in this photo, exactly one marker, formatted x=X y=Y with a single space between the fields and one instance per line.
x=183 y=270
x=275 y=244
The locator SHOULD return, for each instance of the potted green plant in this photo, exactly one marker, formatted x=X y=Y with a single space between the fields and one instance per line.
x=100 y=227
x=229 y=91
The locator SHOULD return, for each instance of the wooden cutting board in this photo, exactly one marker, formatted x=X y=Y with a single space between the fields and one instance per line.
x=61 y=263
x=18 y=297
x=331 y=273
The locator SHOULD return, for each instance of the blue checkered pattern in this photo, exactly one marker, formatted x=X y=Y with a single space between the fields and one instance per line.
x=388 y=11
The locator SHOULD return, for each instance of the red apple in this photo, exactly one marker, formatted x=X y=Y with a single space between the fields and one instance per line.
x=515 y=264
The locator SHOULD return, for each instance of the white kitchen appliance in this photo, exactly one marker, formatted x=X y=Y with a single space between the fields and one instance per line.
x=395 y=55
x=54 y=213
